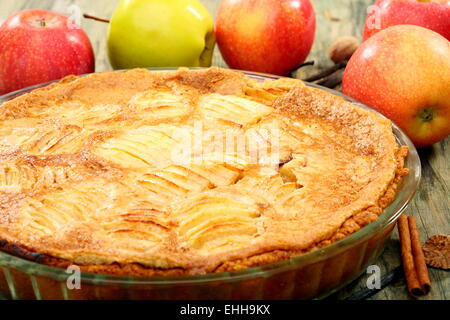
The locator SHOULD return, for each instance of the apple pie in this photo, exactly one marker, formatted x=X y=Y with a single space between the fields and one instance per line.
x=187 y=172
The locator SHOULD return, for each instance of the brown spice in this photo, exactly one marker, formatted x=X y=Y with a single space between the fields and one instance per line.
x=415 y=269
x=437 y=251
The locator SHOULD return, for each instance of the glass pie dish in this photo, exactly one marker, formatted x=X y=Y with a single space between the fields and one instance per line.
x=311 y=275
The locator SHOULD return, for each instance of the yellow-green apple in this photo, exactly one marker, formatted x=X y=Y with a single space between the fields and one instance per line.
x=38 y=46
x=272 y=36
x=404 y=72
x=160 y=33
x=430 y=14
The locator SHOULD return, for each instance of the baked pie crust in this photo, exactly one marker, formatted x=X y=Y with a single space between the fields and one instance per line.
x=93 y=171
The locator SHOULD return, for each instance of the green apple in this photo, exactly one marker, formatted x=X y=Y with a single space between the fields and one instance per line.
x=160 y=33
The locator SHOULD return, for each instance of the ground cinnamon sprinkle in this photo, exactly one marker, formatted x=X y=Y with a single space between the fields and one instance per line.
x=416 y=272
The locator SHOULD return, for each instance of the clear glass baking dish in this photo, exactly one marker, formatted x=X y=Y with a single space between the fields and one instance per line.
x=312 y=275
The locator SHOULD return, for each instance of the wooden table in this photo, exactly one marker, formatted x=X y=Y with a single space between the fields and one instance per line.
x=431 y=206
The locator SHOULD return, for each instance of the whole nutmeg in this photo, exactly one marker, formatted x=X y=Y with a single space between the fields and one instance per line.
x=343 y=48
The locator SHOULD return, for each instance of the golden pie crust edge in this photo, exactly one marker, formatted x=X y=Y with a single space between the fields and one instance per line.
x=223 y=85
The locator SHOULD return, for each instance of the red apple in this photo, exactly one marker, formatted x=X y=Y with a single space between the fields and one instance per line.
x=271 y=36
x=404 y=72
x=430 y=14
x=37 y=46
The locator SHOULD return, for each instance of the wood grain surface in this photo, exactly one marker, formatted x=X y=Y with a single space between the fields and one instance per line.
x=335 y=18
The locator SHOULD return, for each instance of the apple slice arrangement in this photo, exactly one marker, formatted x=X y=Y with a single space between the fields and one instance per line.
x=402 y=71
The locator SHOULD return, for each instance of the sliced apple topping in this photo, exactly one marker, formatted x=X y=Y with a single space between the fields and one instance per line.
x=14 y=178
x=139 y=235
x=232 y=108
x=269 y=183
x=177 y=181
x=217 y=174
x=132 y=222
x=142 y=226
x=79 y=113
x=68 y=139
x=16 y=132
x=148 y=146
x=92 y=115
x=215 y=221
x=268 y=91
x=57 y=210
x=152 y=210
x=159 y=105
x=17 y=177
x=183 y=177
x=288 y=170
x=161 y=185
x=38 y=139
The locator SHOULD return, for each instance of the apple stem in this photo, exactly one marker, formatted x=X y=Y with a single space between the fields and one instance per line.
x=88 y=16
x=426 y=115
x=41 y=22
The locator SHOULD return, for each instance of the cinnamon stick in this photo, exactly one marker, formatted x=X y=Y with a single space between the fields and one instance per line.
x=327 y=72
x=333 y=80
x=419 y=258
x=414 y=267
